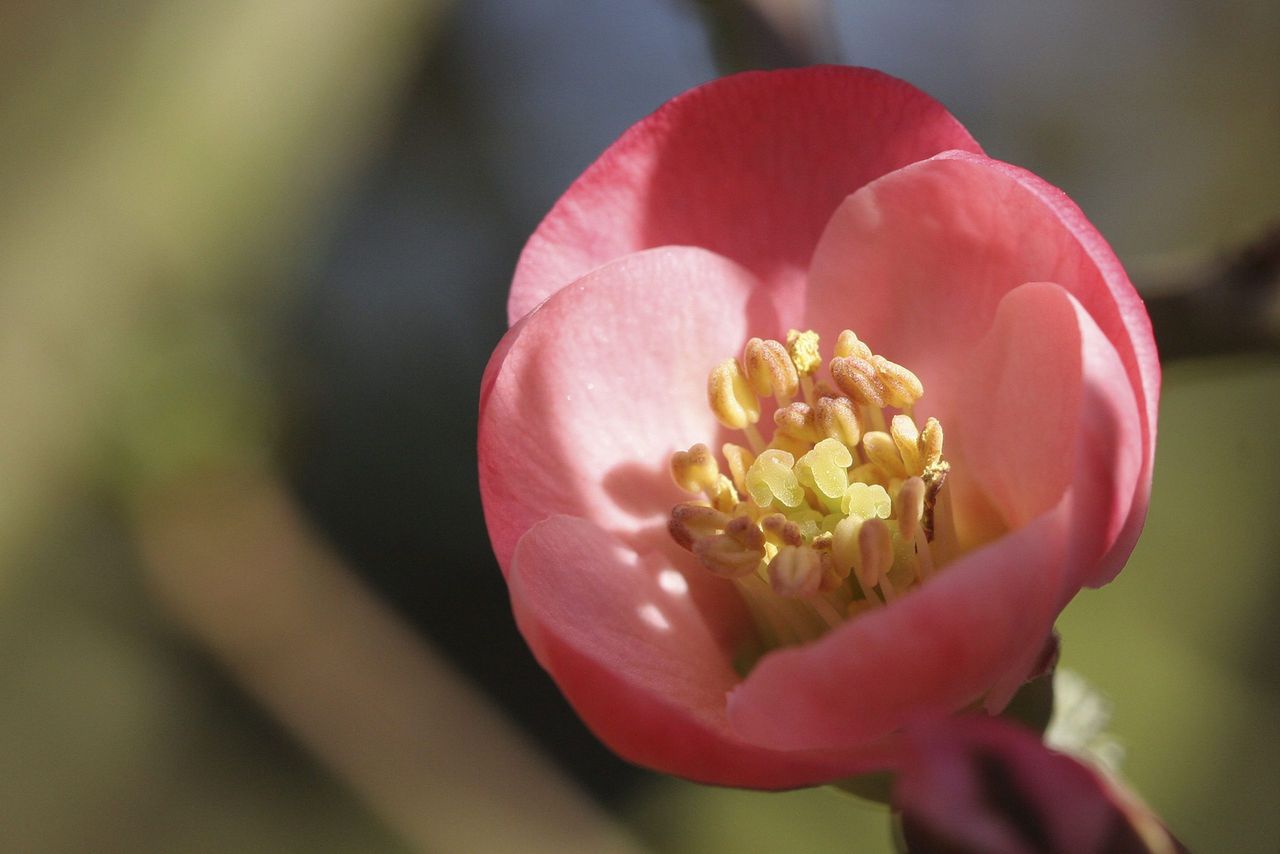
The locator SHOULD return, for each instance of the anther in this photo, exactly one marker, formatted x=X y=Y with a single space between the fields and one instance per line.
x=781 y=531
x=909 y=507
x=875 y=553
x=689 y=521
x=837 y=418
x=730 y=396
x=931 y=443
x=901 y=387
x=770 y=369
x=795 y=572
x=726 y=557
x=739 y=460
x=866 y=501
x=770 y=477
x=796 y=420
x=907 y=438
x=858 y=378
x=847 y=344
x=883 y=452
x=803 y=349
x=694 y=470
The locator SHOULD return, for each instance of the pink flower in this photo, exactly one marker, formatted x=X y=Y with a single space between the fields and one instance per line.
x=969 y=784
x=817 y=199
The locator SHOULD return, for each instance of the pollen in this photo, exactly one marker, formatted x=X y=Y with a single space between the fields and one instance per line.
x=831 y=517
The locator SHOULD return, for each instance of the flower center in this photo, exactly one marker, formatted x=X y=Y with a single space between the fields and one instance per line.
x=833 y=516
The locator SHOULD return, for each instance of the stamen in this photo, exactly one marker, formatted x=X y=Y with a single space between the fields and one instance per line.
x=836 y=418
x=731 y=398
x=796 y=421
x=875 y=552
x=795 y=572
x=694 y=470
x=931 y=443
x=847 y=344
x=770 y=369
x=883 y=452
x=907 y=438
x=866 y=501
x=909 y=507
x=858 y=378
x=739 y=460
x=726 y=557
x=901 y=387
x=689 y=521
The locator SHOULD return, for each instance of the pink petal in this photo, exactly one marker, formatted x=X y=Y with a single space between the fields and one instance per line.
x=585 y=400
x=918 y=261
x=635 y=655
x=983 y=620
x=749 y=166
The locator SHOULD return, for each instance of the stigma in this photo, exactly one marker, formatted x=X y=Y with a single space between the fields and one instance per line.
x=834 y=514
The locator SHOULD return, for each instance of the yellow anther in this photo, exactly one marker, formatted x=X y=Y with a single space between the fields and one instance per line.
x=866 y=501
x=804 y=352
x=694 y=470
x=844 y=544
x=875 y=551
x=858 y=378
x=726 y=557
x=796 y=421
x=909 y=507
x=825 y=468
x=770 y=477
x=868 y=473
x=901 y=387
x=730 y=395
x=907 y=438
x=690 y=520
x=745 y=532
x=781 y=531
x=723 y=495
x=837 y=418
x=931 y=443
x=881 y=450
x=796 y=572
x=770 y=369
x=847 y=344
x=739 y=460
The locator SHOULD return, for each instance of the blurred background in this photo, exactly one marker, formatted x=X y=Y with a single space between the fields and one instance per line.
x=253 y=257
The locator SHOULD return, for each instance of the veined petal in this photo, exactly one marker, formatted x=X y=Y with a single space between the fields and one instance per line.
x=945 y=645
x=586 y=399
x=637 y=655
x=749 y=166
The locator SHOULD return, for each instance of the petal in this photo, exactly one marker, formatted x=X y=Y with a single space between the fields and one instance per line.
x=983 y=620
x=918 y=261
x=587 y=398
x=632 y=651
x=749 y=166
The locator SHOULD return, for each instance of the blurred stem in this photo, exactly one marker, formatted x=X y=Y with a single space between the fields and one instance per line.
x=1229 y=304
x=765 y=34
